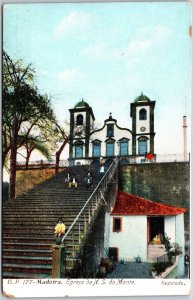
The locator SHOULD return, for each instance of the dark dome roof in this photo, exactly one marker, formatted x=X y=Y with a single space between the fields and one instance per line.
x=81 y=104
x=142 y=98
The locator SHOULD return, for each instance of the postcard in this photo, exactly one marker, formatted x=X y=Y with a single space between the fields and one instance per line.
x=96 y=144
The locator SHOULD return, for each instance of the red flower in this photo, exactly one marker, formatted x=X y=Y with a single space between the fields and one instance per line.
x=149 y=156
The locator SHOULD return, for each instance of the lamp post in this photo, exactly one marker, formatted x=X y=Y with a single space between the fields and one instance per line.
x=185 y=137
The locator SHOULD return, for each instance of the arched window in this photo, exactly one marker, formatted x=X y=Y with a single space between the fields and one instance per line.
x=96 y=150
x=110 y=148
x=79 y=120
x=142 y=145
x=143 y=114
x=78 y=149
x=124 y=145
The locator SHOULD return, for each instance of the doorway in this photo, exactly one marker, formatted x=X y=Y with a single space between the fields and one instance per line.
x=155 y=227
x=113 y=253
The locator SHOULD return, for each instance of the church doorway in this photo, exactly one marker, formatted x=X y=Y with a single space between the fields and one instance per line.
x=155 y=227
x=108 y=163
x=95 y=163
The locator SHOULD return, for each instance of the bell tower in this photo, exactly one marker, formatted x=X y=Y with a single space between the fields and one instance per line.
x=81 y=123
x=142 y=113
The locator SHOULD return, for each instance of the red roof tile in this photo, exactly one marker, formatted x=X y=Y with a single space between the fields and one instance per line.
x=127 y=204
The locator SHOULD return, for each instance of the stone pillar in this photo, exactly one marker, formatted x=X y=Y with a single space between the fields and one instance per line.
x=58 y=257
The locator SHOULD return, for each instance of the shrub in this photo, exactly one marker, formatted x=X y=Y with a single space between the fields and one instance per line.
x=175 y=251
x=160 y=267
x=167 y=242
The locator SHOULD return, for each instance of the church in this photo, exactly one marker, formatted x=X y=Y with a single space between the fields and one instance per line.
x=87 y=144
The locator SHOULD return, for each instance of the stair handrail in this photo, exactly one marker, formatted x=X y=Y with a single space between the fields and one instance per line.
x=114 y=163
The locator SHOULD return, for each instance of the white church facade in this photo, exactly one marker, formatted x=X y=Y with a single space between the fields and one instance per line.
x=87 y=145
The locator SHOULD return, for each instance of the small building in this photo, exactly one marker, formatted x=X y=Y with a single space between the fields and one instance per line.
x=135 y=221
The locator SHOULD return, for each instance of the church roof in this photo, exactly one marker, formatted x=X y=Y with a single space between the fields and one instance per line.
x=128 y=204
x=142 y=98
x=81 y=104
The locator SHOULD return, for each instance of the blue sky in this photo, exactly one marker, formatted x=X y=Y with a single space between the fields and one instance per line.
x=107 y=53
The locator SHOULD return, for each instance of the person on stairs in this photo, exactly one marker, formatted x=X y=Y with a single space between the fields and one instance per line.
x=88 y=180
x=73 y=182
x=67 y=179
x=59 y=231
x=102 y=169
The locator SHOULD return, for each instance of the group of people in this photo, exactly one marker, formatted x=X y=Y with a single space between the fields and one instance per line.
x=71 y=180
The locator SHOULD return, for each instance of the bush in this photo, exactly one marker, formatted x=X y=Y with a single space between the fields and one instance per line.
x=175 y=251
x=167 y=242
x=160 y=267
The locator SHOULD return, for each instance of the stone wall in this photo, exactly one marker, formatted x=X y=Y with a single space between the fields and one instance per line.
x=27 y=179
x=168 y=183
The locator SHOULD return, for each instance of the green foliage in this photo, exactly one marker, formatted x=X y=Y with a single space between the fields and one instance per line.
x=34 y=143
x=175 y=251
x=24 y=108
x=5 y=191
x=160 y=267
x=167 y=242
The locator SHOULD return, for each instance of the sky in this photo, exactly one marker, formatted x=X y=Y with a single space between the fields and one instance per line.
x=107 y=54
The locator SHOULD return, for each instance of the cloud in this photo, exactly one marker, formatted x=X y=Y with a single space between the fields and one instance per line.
x=144 y=40
x=159 y=32
x=101 y=51
x=71 y=22
x=147 y=38
x=68 y=77
x=137 y=47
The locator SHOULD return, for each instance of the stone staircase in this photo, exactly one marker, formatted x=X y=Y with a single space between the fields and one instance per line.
x=29 y=222
x=155 y=251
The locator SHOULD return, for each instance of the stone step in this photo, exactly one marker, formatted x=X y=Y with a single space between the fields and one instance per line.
x=20 y=238
x=52 y=221
x=36 y=219
x=36 y=269
x=34 y=251
x=29 y=222
x=150 y=246
x=27 y=252
x=21 y=275
x=27 y=259
x=42 y=211
x=49 y=195
x=36 y=244
x=8 y=245
x=50 y=207
x=28 y=239
x=52 y=189
x=152 y=256
x=37 y=225
x=61 y=203
x=33 y=232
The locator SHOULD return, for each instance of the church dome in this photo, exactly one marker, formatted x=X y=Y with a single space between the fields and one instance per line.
x=142 y=98
x=81 y=104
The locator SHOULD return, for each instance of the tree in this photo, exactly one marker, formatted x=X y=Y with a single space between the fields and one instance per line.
x=34 y=143
x=24 y=110
x=65 y=138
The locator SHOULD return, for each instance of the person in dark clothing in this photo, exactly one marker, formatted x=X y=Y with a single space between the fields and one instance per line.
x=88 y=180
